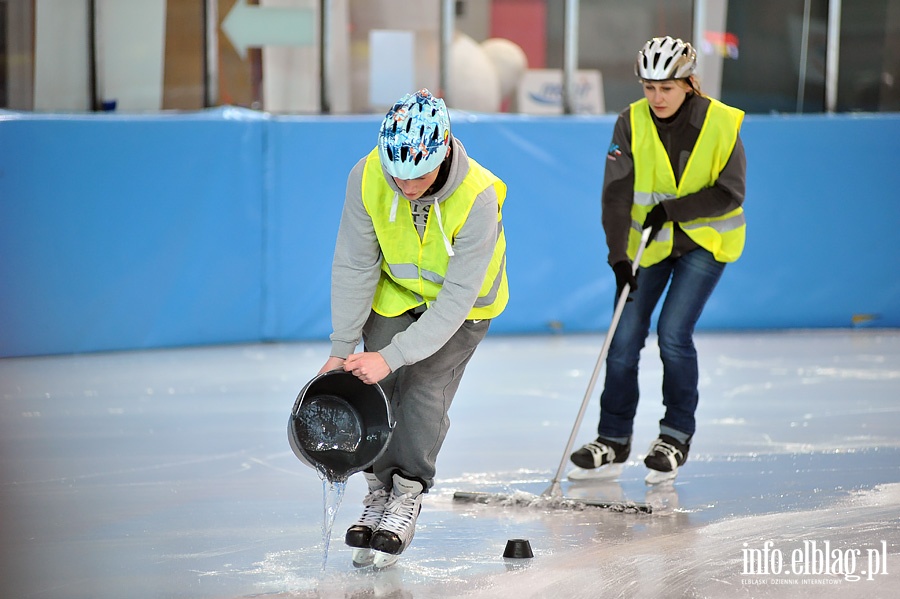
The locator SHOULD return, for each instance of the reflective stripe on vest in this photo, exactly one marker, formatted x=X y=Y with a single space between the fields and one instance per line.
x=654 y=181
x=413 y=268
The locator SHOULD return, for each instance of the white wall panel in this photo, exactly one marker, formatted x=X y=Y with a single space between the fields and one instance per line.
x=61 y=69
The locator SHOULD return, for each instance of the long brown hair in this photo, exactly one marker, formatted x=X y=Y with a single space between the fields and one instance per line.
x=694 y=83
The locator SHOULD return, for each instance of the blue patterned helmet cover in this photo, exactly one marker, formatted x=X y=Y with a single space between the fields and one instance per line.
x=414 y=136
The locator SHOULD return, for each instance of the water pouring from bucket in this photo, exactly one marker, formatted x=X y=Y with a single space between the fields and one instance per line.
x=339 y=425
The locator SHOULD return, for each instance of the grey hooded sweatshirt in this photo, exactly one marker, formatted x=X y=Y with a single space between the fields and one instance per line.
x=356 y=268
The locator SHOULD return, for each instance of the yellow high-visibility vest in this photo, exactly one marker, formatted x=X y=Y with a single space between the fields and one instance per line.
x=654 y=181
x=413 y=268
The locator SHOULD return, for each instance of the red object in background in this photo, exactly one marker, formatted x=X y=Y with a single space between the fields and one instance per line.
x=722 y=43
x=525 y=23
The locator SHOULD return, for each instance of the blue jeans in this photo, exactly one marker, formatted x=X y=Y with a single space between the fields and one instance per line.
x=691 y=279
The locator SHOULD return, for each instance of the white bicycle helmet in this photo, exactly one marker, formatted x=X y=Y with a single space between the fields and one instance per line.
x=664 y=58
x=414 y=136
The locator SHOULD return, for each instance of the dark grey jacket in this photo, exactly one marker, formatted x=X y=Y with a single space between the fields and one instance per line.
x=678 y=134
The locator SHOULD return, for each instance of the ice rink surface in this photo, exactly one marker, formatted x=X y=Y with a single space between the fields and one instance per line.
x=168 y=474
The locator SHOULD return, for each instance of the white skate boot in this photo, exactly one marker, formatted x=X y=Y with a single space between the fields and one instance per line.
x=359 y=536
x=398 y=524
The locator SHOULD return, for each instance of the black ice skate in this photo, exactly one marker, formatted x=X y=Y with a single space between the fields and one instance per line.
x=600 y=459
x=663 y=459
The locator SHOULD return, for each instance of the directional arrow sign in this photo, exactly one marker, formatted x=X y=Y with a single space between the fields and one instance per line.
x=257 y=26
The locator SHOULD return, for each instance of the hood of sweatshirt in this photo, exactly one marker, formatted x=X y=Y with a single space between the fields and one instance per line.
x=459 y=167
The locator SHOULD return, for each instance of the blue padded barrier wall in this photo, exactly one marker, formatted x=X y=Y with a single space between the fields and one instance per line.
x=129 y=232
x=556 y=258
x=122 y=232
x=308 y=161
x=822 y=216
x=556 y=254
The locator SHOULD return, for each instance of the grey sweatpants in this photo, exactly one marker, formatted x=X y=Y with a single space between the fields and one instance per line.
x=420 y=395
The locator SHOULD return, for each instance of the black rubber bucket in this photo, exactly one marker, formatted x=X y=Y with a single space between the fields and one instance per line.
x=339 y=425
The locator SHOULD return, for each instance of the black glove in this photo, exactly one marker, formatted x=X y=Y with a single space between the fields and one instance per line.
x=655 y=221
x=624 y=276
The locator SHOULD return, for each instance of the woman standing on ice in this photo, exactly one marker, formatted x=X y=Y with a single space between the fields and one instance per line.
x=676 y=165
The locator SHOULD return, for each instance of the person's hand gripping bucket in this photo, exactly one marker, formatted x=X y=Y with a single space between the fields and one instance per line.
x=339 y=425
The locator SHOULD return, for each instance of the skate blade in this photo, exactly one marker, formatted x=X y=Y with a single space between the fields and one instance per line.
x=363 y=557
x=607 y=472
x=384 y=560
x=655 y=477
